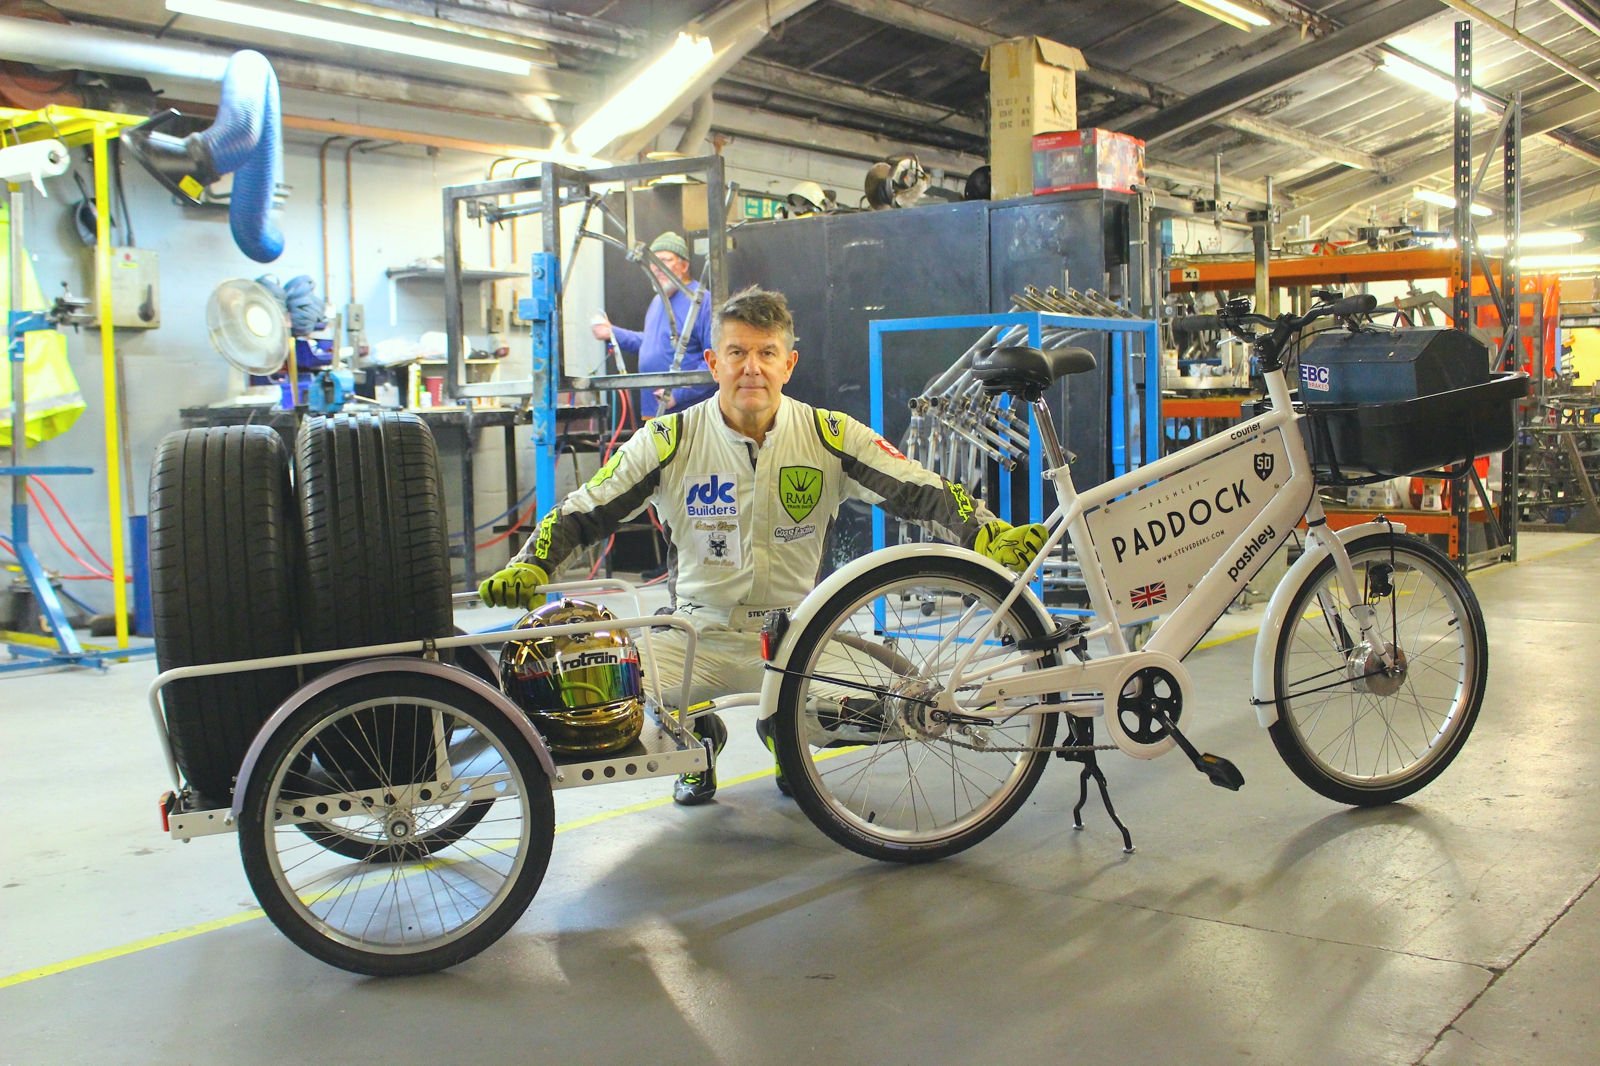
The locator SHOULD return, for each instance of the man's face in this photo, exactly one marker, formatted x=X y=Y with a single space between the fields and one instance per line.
x=751 y=367
x=674 y=263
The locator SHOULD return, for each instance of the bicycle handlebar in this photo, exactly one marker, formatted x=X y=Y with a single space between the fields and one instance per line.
x=1270 y=345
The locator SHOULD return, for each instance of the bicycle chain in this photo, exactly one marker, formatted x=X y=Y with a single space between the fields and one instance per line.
x=1071 y=749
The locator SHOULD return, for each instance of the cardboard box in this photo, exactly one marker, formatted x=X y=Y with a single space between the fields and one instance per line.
x=1033 y=88
x=1087 y=159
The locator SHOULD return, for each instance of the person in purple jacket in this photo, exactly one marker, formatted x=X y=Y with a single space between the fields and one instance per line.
x=653 y=344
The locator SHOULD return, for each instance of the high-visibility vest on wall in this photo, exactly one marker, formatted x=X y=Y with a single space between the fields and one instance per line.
x=49 y=386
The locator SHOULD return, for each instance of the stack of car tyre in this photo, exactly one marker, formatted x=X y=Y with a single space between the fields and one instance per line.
x=254 y=556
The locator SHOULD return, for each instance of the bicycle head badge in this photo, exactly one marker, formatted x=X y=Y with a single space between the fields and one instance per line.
x=581 y=691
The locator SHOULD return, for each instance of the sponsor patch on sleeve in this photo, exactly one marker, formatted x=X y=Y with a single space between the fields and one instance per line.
x=963 y=501
x=890 y=448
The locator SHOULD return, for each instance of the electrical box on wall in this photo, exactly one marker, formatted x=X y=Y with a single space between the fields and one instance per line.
x=135 y=288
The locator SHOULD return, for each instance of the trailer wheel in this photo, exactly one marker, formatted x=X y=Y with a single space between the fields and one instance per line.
x=437 y=891
x=223 y=539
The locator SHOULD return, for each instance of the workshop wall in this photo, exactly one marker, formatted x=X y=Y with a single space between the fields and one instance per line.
x=397 y=220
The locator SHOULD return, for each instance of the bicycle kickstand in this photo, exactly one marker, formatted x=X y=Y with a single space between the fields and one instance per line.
x=1081 y=732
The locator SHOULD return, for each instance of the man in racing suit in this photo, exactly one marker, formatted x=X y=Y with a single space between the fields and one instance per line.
x=747 y=488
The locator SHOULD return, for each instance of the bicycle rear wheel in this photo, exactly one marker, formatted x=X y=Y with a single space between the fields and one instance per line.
x=855 y=733
x=1351 y=730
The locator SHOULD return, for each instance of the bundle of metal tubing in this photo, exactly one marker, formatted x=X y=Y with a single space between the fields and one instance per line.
x=956 y=429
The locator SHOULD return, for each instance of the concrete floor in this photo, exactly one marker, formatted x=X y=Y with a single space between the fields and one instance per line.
x=1268 y=926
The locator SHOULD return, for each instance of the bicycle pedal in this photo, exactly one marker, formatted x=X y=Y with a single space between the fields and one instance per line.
x=1220 y=771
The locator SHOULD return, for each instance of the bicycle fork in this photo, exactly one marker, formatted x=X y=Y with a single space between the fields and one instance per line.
x=1364 y=613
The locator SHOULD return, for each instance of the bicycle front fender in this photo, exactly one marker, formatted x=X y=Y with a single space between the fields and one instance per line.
x=1263 y=673
x=844 y=575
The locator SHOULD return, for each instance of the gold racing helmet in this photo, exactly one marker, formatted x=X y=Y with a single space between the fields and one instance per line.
x=582 y=692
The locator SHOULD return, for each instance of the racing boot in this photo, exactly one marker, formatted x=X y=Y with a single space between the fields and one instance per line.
x=764 y=730
x=694 y=789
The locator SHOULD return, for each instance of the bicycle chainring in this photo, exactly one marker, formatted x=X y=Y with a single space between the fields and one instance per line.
x=1134 y=724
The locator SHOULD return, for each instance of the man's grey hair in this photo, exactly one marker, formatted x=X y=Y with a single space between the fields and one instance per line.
x=759 y=309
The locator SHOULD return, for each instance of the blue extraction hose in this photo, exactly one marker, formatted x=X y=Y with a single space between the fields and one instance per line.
x=247 y=140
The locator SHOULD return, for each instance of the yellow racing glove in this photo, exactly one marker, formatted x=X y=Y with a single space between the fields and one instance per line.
x=1013 y=548
x=515 y=586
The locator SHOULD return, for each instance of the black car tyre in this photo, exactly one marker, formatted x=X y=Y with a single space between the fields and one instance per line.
x=223 y=541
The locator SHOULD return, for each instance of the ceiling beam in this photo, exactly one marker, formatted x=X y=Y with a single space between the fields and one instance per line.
x=953 y=31
x=754 y=124
x=1441 y=161
x=921 y=20
x=1579 y=15
x=1327 y=148
x=1527 y=43
x=732 y=31
x=86 y=46
x=767 y=75
x=1540 y=213
x=1264 y=78
x=1253 y=192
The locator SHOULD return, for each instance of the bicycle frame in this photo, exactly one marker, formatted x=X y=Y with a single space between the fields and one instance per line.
x=1199 y=608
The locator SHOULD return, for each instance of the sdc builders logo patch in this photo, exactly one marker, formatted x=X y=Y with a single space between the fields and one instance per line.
x=800 y=488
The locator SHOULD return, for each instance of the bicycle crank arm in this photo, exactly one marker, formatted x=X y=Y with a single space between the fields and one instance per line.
x=1220 y=771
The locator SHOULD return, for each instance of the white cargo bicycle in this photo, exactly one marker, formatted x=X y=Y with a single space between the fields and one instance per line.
x=917 y=692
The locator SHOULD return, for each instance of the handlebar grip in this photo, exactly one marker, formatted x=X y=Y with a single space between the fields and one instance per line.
x=1354 y=305
x=1196 y=323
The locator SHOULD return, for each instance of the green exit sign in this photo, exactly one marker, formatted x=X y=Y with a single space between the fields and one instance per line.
x=761 y=207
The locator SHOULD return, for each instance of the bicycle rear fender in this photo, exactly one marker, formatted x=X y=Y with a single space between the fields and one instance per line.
x=363 y=667
x=844 y=575
x=1263 y=679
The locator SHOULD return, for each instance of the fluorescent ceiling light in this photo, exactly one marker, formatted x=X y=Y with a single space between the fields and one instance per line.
x=1444 y=199
x=348 y=33
x=643 y=98
x=1421 y=77
x=1236 y=15
x=1557 y=262
x=1537 y=239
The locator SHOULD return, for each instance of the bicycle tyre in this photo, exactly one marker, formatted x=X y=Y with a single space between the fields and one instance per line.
x=826 y=812
x=1312 y=759
x=364 y=917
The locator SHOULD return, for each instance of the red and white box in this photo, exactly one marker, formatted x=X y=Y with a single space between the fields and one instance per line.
x=1087 y=159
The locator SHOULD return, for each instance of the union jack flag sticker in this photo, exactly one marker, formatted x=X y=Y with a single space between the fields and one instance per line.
x=1148 y=595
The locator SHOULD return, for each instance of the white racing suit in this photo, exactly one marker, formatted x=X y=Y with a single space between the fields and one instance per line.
x=747 y=522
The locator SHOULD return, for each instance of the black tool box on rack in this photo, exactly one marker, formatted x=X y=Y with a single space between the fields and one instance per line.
x=1387 y=365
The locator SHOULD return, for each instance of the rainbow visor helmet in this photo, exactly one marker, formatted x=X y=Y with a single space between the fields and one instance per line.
x=581 y=691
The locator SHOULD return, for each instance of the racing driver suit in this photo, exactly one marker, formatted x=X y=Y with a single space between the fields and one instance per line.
x=747 y=522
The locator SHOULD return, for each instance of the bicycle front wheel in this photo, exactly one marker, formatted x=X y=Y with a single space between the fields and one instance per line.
x=857 y=735
x=1351 y=728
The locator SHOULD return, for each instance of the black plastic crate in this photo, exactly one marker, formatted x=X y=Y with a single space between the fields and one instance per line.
x=1357 y=441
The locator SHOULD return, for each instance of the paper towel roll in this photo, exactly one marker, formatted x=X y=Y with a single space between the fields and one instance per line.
x=34 y=162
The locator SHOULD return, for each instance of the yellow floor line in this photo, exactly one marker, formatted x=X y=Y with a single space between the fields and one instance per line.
x=251 y=915
x=129 y=949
